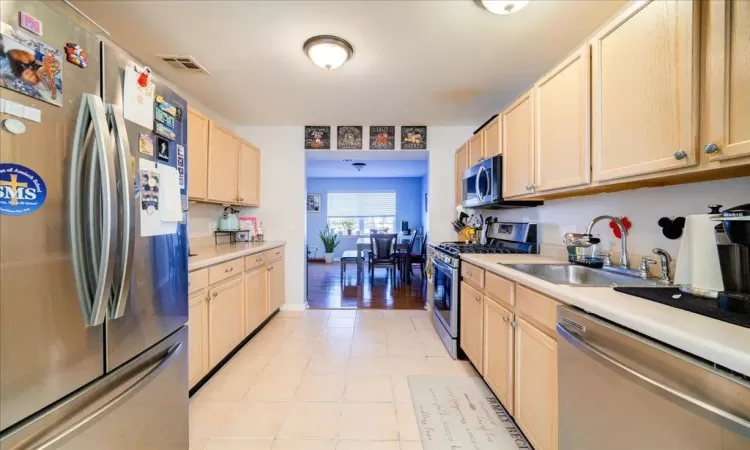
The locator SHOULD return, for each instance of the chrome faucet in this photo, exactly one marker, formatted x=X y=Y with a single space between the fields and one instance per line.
x=664 y=260
x=624 y=258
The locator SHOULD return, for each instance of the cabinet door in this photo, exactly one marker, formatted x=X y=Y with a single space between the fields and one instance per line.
x=562 y=140
x=498 y=351
x=728 y=84
x=248 y=181
x=536 y=385
x=197 y=154
x=197 y=337
x=471 y=324
x=518 y=148
x=476 y=149
x=222 y=165
x=645 y=90
x=225 y=319
x=256 y=303
x=492 y=139
x=462 y=163
x=276 y=288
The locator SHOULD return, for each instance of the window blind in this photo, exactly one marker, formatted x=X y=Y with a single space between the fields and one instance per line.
x=361 y=204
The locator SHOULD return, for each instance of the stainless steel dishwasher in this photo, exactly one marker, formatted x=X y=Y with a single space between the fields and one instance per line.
x=619 y=390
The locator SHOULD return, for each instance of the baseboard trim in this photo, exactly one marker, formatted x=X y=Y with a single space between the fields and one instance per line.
x=294 y=307
x=229 y=356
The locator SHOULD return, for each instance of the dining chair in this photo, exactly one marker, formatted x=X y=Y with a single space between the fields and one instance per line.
x=382 y=254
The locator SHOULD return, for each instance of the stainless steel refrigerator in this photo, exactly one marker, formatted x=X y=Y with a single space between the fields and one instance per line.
x=93 y=335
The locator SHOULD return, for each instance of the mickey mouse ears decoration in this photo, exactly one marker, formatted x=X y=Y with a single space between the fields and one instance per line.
x=672 y=228
x=616 y=230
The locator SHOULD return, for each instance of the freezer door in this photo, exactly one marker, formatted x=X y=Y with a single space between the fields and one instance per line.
x=157 y=303
x=141 y=405
x=46 y=349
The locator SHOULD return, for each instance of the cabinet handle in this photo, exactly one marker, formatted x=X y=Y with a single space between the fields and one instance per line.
x=711 y=149
x=680 y=155
x=215 y=294
x=477 y=299
x=513 y=323
x=506 y=319
x=468 y=272
x=226 y=270
x=231 y=269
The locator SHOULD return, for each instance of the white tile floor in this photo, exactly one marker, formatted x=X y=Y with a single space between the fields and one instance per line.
x=322 y=380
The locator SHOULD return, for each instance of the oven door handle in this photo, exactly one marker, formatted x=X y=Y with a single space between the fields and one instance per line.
x=442 y=265
x=699 y=407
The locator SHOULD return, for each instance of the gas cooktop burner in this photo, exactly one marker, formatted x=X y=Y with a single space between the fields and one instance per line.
x=456 y=248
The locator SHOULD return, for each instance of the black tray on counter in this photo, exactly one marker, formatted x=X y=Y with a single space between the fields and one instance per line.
x=734 y=309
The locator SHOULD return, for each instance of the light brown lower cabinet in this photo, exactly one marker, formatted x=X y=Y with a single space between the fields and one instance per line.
x=535 y=406
x=471 y=324
x=256 y=301
x=276 y=289
x=498 y=351
x=197 y=337
x=226 y=321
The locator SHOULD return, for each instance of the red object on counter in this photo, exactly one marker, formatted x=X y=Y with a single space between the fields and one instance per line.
x=616 y=230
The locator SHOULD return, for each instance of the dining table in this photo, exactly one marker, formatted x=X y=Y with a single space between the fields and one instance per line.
x=403 y=242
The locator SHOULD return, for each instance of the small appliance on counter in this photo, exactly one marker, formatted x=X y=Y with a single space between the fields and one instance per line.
x=734 y=256
x=698 y=270
x=229 y=221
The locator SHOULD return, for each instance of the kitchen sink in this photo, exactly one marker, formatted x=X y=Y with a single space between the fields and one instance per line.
x=572 y=275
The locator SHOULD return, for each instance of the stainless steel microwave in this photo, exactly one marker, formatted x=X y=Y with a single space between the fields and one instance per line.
x=482 y=187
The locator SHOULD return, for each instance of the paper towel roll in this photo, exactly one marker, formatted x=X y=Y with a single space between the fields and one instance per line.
x=698 y=261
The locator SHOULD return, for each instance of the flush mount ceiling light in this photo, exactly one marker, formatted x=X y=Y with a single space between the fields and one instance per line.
x=502 y=6
x=359 y=166
x=328 y=52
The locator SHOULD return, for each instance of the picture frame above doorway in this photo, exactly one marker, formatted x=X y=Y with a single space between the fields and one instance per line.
x=349 y=137
x=414 y=138
x=382 y=138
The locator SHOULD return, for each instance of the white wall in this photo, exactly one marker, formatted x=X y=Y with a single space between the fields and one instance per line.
x=282 y=197
x=643 y=207
x=443 y=142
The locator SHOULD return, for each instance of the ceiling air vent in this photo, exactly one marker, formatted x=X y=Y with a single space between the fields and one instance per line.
x=183 y=62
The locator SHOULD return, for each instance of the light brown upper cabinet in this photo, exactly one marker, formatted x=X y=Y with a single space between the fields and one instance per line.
x=492 y=138
x=728 y=84
x=197 y=153
x=222 y=165
x=518 y=146
x=645 y=90
x=476 y=149
x=462 y=163
x=562 y=112
x=248 y=181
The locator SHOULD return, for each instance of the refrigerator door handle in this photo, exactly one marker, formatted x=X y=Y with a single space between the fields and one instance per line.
x=121 y=288
x=153 y=367
x=93 y=274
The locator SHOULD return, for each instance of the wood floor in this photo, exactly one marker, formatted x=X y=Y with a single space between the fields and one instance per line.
x=325 y=290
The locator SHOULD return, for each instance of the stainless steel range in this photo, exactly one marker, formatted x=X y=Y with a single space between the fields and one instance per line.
x=502 y=237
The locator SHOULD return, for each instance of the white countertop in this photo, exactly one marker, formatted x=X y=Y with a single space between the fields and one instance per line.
x=719 y=342
x=215 y=254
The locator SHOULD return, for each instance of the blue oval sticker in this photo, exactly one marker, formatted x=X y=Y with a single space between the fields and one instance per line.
x=22 y=191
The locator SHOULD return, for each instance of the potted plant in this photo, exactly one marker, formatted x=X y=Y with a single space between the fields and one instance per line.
x=349 y=225
x=330 y=242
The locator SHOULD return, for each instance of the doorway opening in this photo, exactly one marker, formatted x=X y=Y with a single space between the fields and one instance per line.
x=366 y=229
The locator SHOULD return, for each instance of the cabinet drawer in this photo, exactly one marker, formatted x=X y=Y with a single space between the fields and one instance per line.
x=225 y=270
x=537 y=309
x=499 y=289
x=197 y=280
x=256 y=260
x=473 y=275
x=276 y=254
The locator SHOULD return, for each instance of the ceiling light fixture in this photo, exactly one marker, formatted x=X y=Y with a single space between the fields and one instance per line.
x=328 y=52
x=359 y=166
x=502 y=6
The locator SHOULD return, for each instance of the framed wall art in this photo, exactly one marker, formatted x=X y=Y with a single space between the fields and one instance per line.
x=349 y=137
x=382 y=138
x=317 y=137
x=313 y=203
x=414 y=138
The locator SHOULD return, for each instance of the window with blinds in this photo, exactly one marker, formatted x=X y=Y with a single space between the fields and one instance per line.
x=360 y=212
